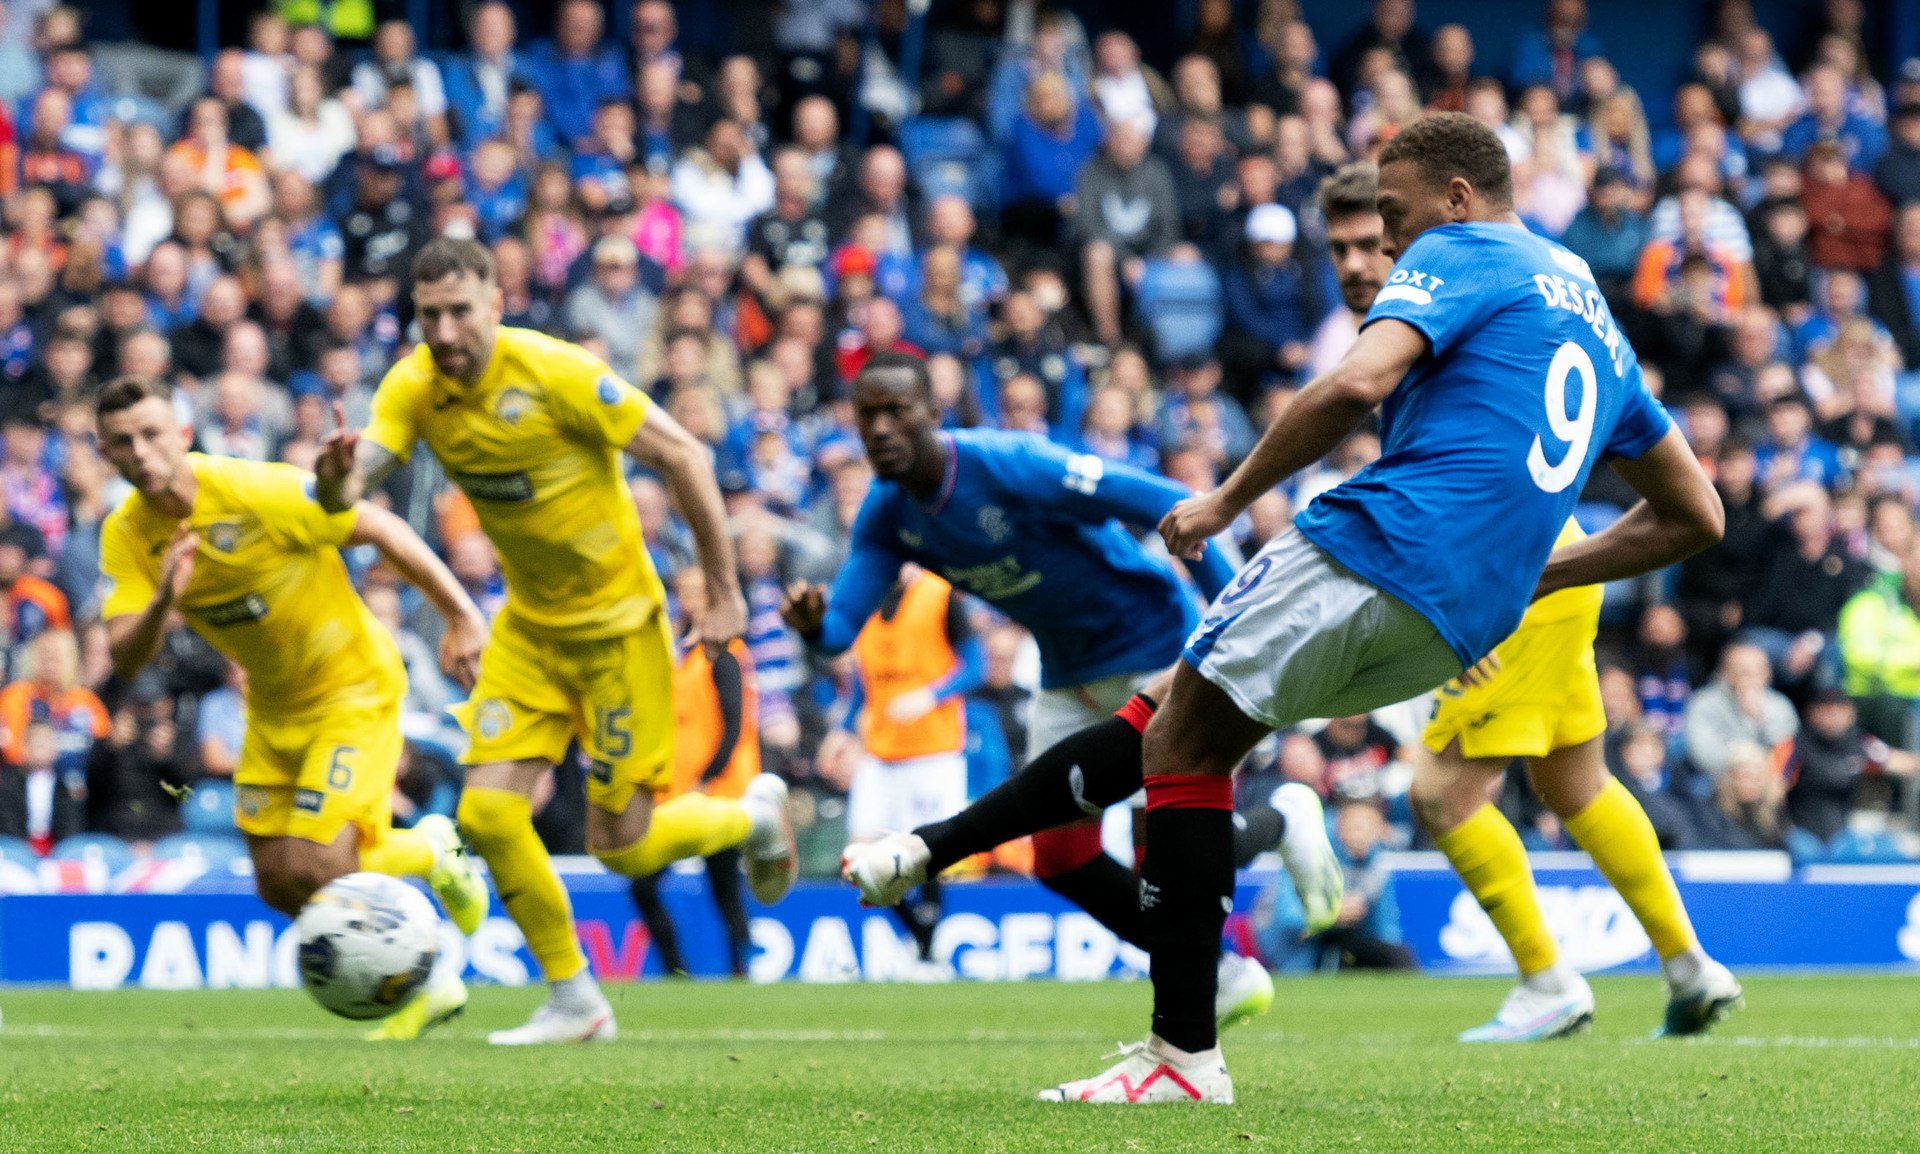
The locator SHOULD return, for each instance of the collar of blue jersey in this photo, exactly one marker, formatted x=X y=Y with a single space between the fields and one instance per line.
x=946 y=481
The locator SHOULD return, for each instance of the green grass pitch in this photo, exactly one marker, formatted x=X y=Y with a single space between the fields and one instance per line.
x=1353 y=1063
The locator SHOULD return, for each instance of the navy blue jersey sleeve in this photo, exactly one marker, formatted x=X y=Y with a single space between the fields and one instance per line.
x=1446 y=285
x=1643 y=420
x=873 y=563
x=1088 y=488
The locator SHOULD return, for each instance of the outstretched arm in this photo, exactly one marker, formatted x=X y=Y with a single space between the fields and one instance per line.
x=349 y=465
x=664 y=446
x=1679 y=514
x=409 y=556
x=1309 y=428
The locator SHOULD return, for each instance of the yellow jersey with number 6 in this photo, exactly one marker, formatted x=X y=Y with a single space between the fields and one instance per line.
x=269 y=588
x=536 y=444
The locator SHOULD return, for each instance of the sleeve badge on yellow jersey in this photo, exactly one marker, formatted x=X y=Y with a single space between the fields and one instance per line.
x=512 y=404
x=609 y=391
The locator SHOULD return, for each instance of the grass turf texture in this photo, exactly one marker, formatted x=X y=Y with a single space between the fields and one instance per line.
x=1352 y=1063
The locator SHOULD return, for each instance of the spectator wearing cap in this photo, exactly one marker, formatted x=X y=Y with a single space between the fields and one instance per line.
x=1272 y=303
x=612 y=304
x=1898 y=172
x=1125 y=214
x=1860 y=140
x=720 y=187
x=1893 y=294
x=576 y=70
x=479 y=80
x=1609 y=232
x=1050 y=139
x=385 y=228
x=1848 y=216
x=395 y=60
x=314 y=130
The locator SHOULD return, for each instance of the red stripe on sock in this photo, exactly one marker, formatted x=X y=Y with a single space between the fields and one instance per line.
x=1189 y=791
x=1136 y=712
x=1065 y=848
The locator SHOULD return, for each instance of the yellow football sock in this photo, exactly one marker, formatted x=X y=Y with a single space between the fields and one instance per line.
x=1614 y=830
x=1485 y=851
x=691 y=825
x=400 y=853
x=498 y=823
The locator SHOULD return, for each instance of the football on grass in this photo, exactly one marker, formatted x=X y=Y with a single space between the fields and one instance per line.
x=367 y=944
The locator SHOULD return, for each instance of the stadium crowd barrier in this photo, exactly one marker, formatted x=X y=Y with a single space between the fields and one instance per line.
x=185 y=925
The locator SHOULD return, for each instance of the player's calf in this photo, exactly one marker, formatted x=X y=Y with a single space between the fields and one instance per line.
x=287 y=871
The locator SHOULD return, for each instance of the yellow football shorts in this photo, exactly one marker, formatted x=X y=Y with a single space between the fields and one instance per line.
x=615 y=694
x=313 y=774
x=1546 y=696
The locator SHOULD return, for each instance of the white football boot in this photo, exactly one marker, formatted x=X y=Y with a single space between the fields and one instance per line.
x=1150 y=1073
x=576 y=1011
x=1532 y=1015
x=1316 y=873
x=771 y=858
x=1245 y=991
x=887 y=869
x=1707 y=1000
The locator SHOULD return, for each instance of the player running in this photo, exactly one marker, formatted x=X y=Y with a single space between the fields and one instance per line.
x=1504 y=378
x=1541 y=702
x=242 y=552
x=532 y=429
x=1036 y=532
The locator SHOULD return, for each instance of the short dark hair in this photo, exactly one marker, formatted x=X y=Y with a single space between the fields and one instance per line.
x=446 y=256
x=682 y=333
x=123 y=393
x=1349 y=191
x=894 y=361
x=1444 y=145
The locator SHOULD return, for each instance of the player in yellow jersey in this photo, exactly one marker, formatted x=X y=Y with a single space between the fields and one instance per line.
x=535 y=430
x=1538 y=698
x=243 y=553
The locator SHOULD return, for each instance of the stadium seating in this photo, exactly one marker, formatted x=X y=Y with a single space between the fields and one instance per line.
x=217 y=851
x=947 y=156
x=103 y=849
x=209 y=808
x=1181 y=303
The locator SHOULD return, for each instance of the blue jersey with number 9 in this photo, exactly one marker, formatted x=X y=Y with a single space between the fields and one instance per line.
x=1487 y=442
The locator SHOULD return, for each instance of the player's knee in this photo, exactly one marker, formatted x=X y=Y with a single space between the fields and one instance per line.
x=1443 y=796
x=287 y=881
x=488 y=817
x=1064 y=849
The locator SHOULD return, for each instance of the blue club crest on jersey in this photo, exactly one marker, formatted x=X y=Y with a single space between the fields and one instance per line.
x=512 y=405
x=609 y=391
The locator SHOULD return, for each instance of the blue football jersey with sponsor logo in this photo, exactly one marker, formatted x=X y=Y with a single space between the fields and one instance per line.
x=1487 y=442
x=1038 y=533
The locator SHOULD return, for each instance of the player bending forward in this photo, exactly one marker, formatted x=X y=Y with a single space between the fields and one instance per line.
x=240 y=549
x=1036 y=532
x=1542 y=702
x=533 y=429
x=1504 y=379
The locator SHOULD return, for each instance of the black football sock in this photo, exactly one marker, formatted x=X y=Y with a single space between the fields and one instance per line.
x=653 y=912
x=1107 y=890
x=1186 y=891
x=920 y=913
x=1077 y=777
x=723 y=881
x=1256 y=830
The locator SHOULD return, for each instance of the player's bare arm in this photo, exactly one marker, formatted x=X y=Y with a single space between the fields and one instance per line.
x=134 y=638
x=1679 y=514
x=348 y=466
x=687 y=466
x=1311 y=427
x=804 y=609
x=417 y=565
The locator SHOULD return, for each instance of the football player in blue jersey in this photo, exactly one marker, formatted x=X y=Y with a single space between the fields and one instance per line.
x=1038 y=533
x=1502 y=379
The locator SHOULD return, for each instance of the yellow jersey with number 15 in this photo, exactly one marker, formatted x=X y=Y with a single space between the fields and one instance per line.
x=536 y=443
x=269 y=587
